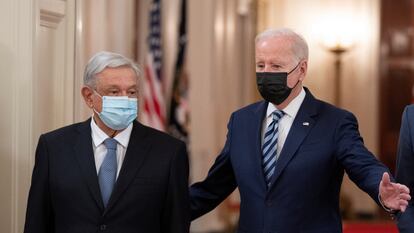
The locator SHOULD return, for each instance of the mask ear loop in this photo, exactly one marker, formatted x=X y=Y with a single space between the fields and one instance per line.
x=291 y=72
x=94 y=110
x=294 y=68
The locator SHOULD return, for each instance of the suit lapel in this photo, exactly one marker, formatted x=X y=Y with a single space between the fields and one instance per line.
x=300 y=128
x=85 y=158
x=137 y=151
x=257 y=121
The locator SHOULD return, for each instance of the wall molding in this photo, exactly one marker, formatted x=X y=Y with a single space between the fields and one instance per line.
x=51 y=13
x=22 y=36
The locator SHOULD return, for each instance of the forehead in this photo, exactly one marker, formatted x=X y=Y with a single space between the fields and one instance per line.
x=274 y=48
x=120 y=76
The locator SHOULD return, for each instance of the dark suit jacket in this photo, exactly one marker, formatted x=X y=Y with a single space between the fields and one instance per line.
x=304 y=197
x=150 y=195
x=405 y=167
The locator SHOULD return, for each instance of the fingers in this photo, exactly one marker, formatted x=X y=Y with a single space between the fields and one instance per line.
x=396 y=195
x=405 y=196
x=400 y=204
x=403 y=189
x=386 y=179
x=403 y=202
x=403 y=205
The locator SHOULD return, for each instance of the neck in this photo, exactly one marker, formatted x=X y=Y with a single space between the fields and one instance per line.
x=295 y=92
x=108 y=131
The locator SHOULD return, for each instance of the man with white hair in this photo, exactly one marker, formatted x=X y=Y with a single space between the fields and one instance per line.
x=288 y=153
x=109 y=173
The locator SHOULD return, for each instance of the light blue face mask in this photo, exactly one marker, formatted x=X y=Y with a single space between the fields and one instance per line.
x=118 y=112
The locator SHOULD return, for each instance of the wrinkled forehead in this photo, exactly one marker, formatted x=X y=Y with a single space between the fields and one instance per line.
x=119 y=75
x=274 y=48
x=280 y=41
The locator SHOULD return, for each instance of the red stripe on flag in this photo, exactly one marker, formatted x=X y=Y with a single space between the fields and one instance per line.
x=146 y=105
x=154 y=97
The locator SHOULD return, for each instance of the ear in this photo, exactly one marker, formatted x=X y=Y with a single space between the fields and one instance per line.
x=303 y=69
x=87 y=93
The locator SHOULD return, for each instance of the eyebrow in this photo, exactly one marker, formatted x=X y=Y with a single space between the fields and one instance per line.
x=116 y=86
x=133 y=86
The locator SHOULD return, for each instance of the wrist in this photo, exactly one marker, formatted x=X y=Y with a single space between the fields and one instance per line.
x=386 y=208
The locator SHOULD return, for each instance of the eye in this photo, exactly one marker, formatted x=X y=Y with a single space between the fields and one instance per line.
x=259 y=66
x=132 y=93
x=276 y=67
x=113 y=92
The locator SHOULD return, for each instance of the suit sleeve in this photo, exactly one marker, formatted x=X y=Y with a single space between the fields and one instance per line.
x=39 y=215
x=360 y=164
x=405 y=169
x=176 y=215
x=220 y=182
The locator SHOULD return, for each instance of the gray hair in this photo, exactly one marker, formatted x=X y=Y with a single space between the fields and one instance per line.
x=102 y=60
x=299 y=46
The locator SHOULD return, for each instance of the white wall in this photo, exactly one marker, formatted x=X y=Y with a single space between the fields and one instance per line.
x=36 y=69
x=16 y=69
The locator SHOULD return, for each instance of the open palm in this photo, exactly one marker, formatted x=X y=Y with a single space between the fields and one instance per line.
x=394 y=196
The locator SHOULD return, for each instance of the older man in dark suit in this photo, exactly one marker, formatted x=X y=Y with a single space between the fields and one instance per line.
x=288 y=153
x=109 y=173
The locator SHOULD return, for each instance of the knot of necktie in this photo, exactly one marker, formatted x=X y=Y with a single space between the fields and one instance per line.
x=277 y=114
x=110 y=143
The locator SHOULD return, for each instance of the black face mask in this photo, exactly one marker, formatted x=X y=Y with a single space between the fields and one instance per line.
x=273 y=85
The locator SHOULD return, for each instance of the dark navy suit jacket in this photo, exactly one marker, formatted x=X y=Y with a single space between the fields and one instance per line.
x=405 y=167
x=150 y=194
x=323 y=142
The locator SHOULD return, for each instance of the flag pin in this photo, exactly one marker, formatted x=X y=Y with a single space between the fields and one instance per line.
x=306 y=123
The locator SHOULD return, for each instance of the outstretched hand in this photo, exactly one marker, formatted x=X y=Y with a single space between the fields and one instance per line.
x=394 y=196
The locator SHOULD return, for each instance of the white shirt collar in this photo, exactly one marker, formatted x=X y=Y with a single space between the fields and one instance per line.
x=293 y=107
x=99 y=136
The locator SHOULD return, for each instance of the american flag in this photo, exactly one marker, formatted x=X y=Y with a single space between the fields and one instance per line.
x=179 y=115
x=154 y=104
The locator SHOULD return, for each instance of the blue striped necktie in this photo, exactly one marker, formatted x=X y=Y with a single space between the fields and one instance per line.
x=270 y=146
x=107 y=172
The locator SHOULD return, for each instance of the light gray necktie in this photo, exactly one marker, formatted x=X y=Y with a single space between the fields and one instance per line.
x=107 y=172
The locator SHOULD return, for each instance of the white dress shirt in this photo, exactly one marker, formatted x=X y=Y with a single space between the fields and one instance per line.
x=99 y=148
x=285 y=123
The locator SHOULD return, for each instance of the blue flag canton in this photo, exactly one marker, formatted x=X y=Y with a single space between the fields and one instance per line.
x=154 y=38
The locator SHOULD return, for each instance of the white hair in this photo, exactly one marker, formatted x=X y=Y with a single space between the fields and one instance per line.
x=299 y=46
x=102 y=60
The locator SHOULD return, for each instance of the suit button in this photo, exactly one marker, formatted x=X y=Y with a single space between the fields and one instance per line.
x=268 y=203
x=102 y=227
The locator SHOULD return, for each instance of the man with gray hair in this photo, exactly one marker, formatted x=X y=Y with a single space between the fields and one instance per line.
x=109 y=173
x=288 y=153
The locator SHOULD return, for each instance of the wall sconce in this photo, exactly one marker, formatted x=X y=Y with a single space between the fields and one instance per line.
x=337 y=51
x=338 y=36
